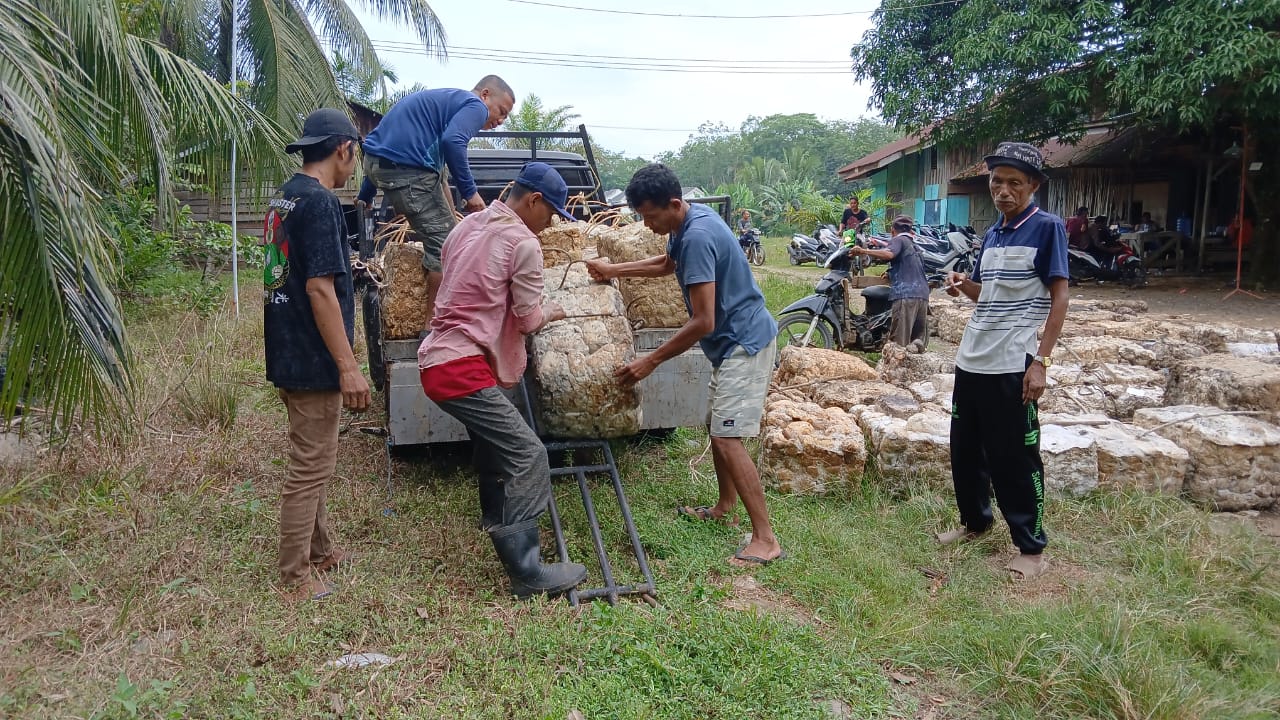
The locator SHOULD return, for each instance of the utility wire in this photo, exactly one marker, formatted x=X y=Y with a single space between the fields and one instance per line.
x=451 y=48
x=615 y=65
x=725 y=17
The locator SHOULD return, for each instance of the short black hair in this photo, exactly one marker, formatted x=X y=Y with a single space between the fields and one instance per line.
x=496 y=84
x=323 y=149
x=654 y=183
x=518 y=191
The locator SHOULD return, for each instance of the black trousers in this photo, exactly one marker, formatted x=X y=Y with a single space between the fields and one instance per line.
x=995 y=444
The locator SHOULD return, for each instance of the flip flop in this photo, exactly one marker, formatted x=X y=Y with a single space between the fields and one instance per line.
x=1021 y=568
x=701 y=513
x=960 y=534
x=756 y=560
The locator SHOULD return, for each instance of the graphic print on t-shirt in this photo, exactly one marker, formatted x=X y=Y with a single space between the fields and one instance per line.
x=275 y=241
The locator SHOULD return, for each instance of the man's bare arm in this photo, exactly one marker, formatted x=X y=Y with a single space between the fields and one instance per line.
x=656 y=266
x=328 y=316
x=702 y=320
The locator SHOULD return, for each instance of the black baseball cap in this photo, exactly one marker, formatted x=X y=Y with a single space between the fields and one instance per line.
x=541 y=177
x=321 y=125
x=1022 y=156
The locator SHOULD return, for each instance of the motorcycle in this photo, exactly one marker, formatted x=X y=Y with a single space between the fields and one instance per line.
x=954 y=251
x=751 y=245
x=824 y=319
x=1124 y=266
x=816 y=248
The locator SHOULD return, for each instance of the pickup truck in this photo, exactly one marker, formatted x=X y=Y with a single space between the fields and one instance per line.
x=676 y=395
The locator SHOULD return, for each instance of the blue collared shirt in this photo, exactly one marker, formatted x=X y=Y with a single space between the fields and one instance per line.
x=1018 y=261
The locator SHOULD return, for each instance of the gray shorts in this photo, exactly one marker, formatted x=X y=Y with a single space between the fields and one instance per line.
x=738 y=390
x=419 y=195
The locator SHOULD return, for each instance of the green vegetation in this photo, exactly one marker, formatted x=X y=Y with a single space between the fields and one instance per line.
x=109 y=102
x=137 y=584
x=1045 y=68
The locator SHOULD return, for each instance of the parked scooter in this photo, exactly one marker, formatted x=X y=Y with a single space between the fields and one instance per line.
x=824 y=319
x=814 y=248
x=1124 y=267
x=954 y=251
x=751 y=245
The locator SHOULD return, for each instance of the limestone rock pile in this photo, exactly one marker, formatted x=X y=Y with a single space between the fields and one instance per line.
x=650 y=302
x=573 y=362
x=1234 y=459
x=809 y=448
x=404 y=297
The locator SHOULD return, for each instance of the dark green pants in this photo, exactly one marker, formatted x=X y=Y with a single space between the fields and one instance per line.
x=419 y=195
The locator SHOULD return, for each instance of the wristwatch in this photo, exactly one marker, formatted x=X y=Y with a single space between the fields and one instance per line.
x=1043 y=360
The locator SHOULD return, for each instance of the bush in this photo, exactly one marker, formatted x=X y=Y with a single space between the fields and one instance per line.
x=143 y=249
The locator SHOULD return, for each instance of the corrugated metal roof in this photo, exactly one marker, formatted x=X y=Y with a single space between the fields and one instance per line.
x=864 y=166
x=1096 y=147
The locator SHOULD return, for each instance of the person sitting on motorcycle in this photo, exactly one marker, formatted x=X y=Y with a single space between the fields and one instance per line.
x=744 y=229
x=909 y=288
x=854 y=217
x=1101 y=243
x=1078 y=229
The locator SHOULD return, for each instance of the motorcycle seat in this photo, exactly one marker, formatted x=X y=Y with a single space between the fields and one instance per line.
x=876 y=292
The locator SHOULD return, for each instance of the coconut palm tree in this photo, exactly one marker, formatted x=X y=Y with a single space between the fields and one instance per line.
x=533 y=116
x=285 y=45
x=102 y=94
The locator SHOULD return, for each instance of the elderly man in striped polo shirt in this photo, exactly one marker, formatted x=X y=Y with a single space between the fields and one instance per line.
x=1020 y=283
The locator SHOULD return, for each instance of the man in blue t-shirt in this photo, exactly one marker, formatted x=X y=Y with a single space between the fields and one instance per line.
x=909 y=288
x=728 y=317
x=1021 y=284
x=406 y=155
x=308 y=330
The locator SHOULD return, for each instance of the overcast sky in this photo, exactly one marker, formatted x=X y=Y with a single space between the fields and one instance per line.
x=512 y=35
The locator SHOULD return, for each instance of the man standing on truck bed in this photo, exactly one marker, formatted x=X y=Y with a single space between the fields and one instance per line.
x=490 y=299
x=406 y=155
x=727 y=315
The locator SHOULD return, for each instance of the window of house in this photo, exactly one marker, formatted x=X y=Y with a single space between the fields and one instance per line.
x=932 y=212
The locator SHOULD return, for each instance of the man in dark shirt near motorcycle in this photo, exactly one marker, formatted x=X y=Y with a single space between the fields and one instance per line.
x=1000 y=367
x=910 y=289
x=854 y=216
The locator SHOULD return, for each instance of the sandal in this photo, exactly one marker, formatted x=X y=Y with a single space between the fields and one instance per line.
x=339 y=558
x=960 y=534
x=700 y=513
x=1027 y=567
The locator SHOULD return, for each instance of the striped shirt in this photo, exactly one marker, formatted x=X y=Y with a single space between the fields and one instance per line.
x=1017 y=262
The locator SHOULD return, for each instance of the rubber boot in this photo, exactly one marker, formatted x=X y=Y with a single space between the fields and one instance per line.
x=519 y=548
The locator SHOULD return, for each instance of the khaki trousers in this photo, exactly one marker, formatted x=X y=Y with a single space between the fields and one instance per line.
x=313 y=457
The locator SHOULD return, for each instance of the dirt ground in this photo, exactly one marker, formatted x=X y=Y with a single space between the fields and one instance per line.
x=1200 y=298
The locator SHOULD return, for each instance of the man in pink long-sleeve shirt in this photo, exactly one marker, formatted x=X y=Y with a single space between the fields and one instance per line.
x=490 y=298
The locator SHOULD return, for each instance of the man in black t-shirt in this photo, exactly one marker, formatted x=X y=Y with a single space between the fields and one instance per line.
x=854 y=216
x=308 y=329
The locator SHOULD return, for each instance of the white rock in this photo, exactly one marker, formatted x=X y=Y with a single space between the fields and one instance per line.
x=919 y=446
x=1253 y=350
x=808 y=447
x=1235 y=459
x=1226 y=381
x=1130 y=459
x=923 y=391
x=1070 y=459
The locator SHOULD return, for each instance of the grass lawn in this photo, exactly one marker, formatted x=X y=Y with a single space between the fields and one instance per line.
x=137 y=570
